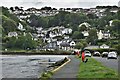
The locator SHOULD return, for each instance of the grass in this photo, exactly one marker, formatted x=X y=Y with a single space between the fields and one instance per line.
x=94 y=69
x=46 y=75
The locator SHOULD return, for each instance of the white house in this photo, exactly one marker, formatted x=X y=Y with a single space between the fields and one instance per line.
x=12 y=34
x=67 y=31
x=103 y=35
x=91 y=47
x=106 y=35
x=66 y=37
x=100 y=35
x=65 y=46
x=86 y=24
x=20 y=27
x=114 y=10
x=85 y=33
x=72 y=43
x=110 y=22
x=104 y=46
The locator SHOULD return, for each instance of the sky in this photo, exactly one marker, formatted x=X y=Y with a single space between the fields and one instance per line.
x=58 y=3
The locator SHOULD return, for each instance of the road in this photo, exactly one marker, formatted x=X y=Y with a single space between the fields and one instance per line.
x=70 y=70
x=110 y=63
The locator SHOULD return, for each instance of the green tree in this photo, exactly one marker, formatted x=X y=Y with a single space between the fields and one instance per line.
x=91 y=16
x=92 y=36
x=82 y=28
x=118 y=15
x=8 y=24
x=116 y=27
x=1 y=30
x=22 y=42
x=77 y=35
x=9 y=15
x=79 y=46
x=11 y=43
x=84 y=42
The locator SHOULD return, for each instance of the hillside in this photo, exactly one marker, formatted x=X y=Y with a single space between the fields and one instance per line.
x=10 y=22
x=49 y=27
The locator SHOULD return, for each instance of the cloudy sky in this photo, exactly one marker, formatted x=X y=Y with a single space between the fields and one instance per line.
x=58 y=3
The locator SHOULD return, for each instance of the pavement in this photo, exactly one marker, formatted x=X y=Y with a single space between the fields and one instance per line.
x=110 y=63
x=70 y=70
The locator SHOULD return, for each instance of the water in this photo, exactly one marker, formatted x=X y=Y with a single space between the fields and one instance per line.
x=24 y=66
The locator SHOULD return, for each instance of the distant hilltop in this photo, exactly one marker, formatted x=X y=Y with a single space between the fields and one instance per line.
x=50 y=8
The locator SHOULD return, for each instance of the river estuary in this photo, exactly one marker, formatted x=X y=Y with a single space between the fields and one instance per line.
x=24 y=66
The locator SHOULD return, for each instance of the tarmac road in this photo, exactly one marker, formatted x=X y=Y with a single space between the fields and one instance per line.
x=110 y=63
x=70 y=70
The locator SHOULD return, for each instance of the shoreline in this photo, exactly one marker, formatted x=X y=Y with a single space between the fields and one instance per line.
x=52 y=72
x=35 y=53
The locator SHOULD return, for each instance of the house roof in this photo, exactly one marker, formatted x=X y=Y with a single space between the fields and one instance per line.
x=104 y=45
x=65 y=44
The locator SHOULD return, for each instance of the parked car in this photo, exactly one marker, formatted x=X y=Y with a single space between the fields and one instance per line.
x=96 y=53
x=88 y=54
x=112 y=55
x=104 y=54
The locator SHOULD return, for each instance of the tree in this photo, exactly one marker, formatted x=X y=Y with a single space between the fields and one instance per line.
x=34 y=21
x=22 y=42
x=91 y=16
x=79 y=46
x=11 y=8
x=8 y=24
x=82 y=28
x=46 y=8
x=118 y=15
x=1 y=29
x=116 y=27
x=54 y=9
x=26 y=42
x=92 y=36
x=16 y=8
x=82 y=44
x=8 y=14
x=77 y=35
x=11 y=43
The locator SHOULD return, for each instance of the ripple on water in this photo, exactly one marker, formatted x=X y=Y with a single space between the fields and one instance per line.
x=25 y=66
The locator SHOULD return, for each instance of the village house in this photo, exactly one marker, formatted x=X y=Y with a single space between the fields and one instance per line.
x=85 y=32
x=103 y=35
x=87 y=25
x=110 y=23
x=72 y=45
x=114 y=10
x=92 y=47
x=20 y=27
x=67 y=31
x=67 y=44
x=12 y=34
x=51 y=46
x=104 y=46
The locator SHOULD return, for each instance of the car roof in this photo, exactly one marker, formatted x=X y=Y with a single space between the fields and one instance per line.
x=96 y=51
x=113 y=52
x=87 y=51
